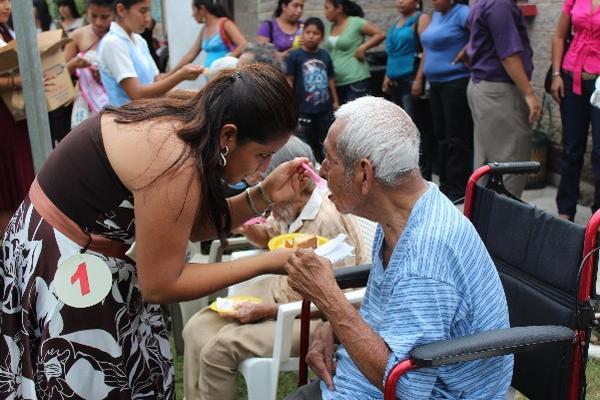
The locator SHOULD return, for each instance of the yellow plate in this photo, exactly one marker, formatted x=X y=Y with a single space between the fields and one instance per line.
x=235 y=299
x=278 y=241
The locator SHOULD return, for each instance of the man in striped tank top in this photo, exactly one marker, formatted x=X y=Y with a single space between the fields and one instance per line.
x=432 y=278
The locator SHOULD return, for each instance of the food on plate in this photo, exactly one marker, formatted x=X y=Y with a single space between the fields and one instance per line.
x=302 y=242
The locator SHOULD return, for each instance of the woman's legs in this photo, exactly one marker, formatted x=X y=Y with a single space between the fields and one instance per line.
x=575 y=113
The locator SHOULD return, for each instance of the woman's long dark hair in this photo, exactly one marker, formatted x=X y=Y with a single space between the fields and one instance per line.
x=71 y=5
x=213 y=7
x=279 y=8
x=350 y=8
x=43 y=14
x=255 y=98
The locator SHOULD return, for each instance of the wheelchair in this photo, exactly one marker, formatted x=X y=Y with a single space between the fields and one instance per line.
x=548 y=270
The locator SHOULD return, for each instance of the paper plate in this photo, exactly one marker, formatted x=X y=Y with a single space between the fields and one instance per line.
x=278 y=241
x=234 y=300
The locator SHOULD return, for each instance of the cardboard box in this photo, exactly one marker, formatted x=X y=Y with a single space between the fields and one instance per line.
x=59 y=87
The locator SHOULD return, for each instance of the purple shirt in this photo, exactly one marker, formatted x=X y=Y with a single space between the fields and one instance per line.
x=281 y=40
x=497 y=31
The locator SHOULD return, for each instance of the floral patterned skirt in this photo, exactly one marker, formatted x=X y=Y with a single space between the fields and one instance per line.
x=116 y=349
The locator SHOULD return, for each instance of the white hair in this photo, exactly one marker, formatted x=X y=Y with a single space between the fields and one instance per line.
x=382 y=132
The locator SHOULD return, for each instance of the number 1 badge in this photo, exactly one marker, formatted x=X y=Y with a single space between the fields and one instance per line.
x=83 y=280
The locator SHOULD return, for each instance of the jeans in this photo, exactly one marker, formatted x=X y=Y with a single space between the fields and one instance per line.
x=419 y=111
x=313 y=129
x=353 y=91
x=576 y=115
x=453 y=129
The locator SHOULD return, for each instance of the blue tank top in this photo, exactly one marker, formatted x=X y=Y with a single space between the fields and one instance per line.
x=214 y=48
x=401 y=49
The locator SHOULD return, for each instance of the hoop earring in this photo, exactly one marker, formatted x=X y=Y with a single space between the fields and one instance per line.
x=223 y=160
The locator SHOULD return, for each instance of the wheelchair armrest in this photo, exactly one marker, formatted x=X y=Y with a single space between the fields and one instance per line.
x=352 y=277
x=216 y=248
x=516 y=167
x=490 y=344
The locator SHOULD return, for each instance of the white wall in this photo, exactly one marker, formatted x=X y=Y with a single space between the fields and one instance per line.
x=182 y=31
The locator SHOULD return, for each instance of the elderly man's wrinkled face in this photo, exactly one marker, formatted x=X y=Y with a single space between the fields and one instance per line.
x=343 y=194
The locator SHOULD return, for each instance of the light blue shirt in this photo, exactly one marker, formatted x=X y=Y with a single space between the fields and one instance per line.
x=121 y=56
x=440 y=283
x=401 y=49
x=443 y=39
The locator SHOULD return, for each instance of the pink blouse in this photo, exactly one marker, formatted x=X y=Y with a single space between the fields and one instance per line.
x=584 y=51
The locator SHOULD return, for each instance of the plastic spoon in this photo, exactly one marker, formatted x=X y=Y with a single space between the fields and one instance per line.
x=320 y=182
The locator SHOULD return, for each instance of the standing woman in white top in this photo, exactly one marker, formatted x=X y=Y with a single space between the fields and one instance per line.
x=69 y=16
x=127 y=69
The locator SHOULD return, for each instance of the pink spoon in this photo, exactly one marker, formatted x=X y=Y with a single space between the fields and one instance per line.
x=320 y=182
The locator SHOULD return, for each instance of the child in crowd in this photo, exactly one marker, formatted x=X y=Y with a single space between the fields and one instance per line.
x=82 y=62
x=310 y=72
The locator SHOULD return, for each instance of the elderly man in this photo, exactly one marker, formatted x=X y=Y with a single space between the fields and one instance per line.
x=432 y=277
x=215 y=344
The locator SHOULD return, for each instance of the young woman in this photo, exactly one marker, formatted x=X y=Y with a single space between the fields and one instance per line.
x=443 y=42
x=219 y=37
x=16 y=163
x=284 y=28
x=152 y=171
x=69 y=16
x=346 y=40
x=574 y=74
x=43 y=19
x=127 y=69
x=404 y=75
x=82 y=61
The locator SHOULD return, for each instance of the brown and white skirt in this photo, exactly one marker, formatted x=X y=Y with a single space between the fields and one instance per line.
x=117 y=349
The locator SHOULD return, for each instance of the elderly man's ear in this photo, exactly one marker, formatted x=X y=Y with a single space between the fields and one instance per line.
x=365 y=175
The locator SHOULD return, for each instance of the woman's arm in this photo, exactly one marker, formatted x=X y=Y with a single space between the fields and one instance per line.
x=376 y=36
x=135 y=90
x=286 y=182
x=417 y=87
x=10 y=82
x=558 y=51
x=236 y=37
x=164 y=213
x=191 y=54
x=334 y=97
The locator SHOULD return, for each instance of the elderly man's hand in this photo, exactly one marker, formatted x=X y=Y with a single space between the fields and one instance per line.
x=310 y=275
x=320 y=354
x=247 y=312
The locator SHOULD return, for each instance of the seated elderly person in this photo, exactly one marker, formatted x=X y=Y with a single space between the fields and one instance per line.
x=215 y=344
x=260 y=53
x=432 y=278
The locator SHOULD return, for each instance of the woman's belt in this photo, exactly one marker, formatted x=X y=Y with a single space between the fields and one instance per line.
x=51 y=214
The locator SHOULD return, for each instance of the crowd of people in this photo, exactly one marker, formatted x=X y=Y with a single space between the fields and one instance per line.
x=148 y=165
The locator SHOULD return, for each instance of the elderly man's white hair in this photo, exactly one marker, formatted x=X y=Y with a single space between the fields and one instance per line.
x=382 y=132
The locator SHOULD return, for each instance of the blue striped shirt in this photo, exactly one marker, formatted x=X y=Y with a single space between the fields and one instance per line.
x=440 y=283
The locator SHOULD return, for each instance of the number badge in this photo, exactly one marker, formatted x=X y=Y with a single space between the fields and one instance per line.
x=83 y=280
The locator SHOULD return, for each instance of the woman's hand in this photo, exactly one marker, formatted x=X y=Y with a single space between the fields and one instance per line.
x=79 y=62
x=287 y=181
x=417 y=88
x=248 y=312
x=558 y=88
x=190 y=72
x=386 y=85
x=360 y=53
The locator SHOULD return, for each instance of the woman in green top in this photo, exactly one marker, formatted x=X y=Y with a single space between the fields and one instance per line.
x=345 y=39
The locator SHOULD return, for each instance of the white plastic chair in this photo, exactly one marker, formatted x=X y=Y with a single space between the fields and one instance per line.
x=262 y=373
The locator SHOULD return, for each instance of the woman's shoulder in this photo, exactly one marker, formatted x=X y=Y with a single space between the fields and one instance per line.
x=142 y=152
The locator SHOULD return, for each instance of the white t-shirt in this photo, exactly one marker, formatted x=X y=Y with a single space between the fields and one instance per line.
x=115 y=58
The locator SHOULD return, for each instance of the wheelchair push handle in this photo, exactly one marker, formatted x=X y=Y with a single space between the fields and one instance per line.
x=517 y=167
